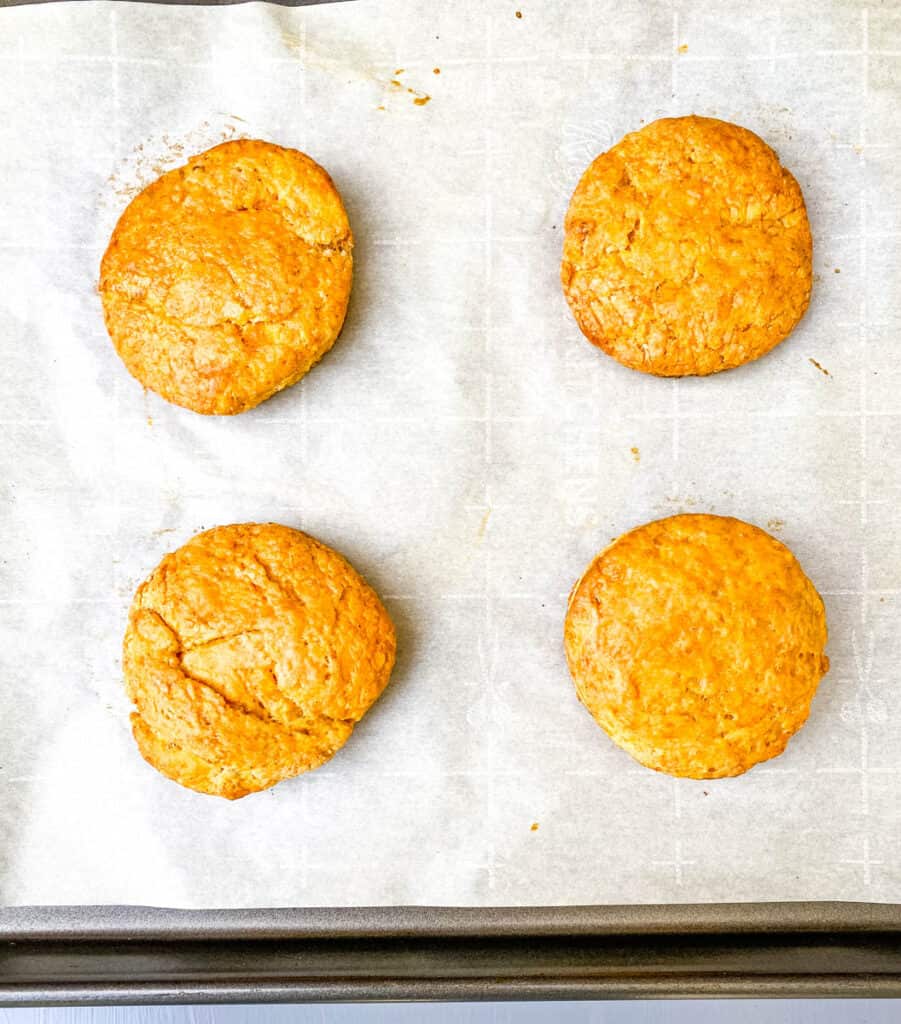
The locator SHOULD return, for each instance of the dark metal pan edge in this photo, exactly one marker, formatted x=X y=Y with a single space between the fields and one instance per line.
x=448 y=953
x=130 y=922
x=837 y=987
x=180 y=3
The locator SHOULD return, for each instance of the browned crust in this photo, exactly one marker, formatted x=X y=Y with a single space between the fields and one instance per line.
x=226 y=279
x=250 y=654
x=697 y=643
x=687 y=249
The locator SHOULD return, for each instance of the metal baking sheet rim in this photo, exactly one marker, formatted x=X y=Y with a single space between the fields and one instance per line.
x=185 y=3
x=108 y=955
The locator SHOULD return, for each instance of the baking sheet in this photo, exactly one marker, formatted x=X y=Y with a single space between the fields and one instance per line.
x=462 y=445
x=127 y=955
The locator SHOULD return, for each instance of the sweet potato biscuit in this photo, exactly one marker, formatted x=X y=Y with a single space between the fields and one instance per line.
x=696 y=642
x=227 y=279
x=250 y=654
x=687 y=249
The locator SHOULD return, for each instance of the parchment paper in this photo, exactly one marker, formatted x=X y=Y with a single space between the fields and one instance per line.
x=462 y=445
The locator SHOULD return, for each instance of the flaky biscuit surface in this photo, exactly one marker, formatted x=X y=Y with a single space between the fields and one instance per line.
x=226 y=279
x=687 y=248
x=250 y=654
x=697 y=643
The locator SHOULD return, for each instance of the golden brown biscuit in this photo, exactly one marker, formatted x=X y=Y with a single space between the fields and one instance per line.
x=687 y=249
x=250 y=654
x=696 y=642
x=227 y=279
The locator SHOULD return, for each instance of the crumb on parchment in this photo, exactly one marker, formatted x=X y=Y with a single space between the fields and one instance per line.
x=483 y=525
x=419 y=98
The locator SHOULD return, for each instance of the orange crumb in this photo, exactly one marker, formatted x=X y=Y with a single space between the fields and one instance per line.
x=683 y=48
x=436 y=71
x=483 y=525
x=421 y=101
x=534 y=826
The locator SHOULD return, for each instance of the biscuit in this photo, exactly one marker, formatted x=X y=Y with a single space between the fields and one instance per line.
x=250 y=654
x=696 y=642
x=226 y=279
x=687 y=249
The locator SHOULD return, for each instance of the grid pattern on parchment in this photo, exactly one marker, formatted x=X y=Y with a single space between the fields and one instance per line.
x=462 y=444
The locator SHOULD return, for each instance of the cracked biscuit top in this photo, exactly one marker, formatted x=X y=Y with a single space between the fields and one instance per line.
x=228 y=278
x=250 y=654
x=697 y=643
x=687 y=249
